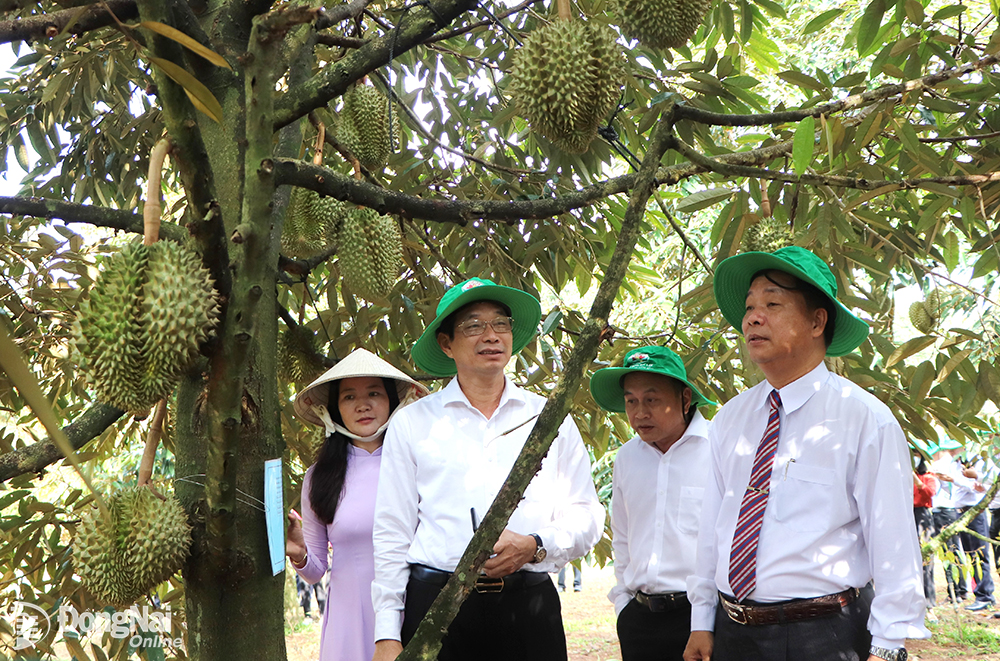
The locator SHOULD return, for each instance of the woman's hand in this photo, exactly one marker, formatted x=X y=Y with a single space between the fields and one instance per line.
x=387 y=650
x=295 y=546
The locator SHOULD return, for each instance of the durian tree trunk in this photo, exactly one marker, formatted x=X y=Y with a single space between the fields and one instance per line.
x=228 y=416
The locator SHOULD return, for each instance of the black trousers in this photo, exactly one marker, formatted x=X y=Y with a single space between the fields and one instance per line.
x=958 y=584
x=925 y=530
x=513 y=625
x=648 y=636
x=842 y=636
x=995 y=534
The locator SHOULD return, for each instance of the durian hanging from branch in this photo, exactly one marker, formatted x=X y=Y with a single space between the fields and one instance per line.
x=567 y=79
x=662 y=23
x=312 y=221
x=147 y=313
x=366 y=127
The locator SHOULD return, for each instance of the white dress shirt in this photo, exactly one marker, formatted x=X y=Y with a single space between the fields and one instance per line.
x=441 y=458
x=655 y=509
x=839 y=512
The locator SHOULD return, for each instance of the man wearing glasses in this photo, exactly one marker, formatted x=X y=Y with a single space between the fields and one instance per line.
x=445 y=458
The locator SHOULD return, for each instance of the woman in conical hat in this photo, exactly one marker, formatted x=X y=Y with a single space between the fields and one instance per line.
x=353 y=402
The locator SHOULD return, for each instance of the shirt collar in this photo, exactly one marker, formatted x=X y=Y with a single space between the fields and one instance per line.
x=697 y=428
x=453 y=394
x=798 y=392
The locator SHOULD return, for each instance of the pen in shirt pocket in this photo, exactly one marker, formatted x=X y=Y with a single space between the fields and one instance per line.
x=785 y=477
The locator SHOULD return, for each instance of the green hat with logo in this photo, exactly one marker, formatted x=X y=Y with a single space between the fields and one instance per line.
x=609 y=392
x=524 y=308
x=734 y=275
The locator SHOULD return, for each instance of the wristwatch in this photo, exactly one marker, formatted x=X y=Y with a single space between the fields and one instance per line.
x=540 y=551
x=898 y=654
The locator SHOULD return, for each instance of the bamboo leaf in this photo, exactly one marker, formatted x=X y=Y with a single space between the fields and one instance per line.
x=187 y=42
x=200 y=96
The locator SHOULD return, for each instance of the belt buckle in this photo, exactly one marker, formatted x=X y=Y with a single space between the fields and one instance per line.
x=737 y=613
x=486 y=585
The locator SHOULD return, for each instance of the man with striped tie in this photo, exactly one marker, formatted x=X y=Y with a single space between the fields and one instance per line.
x=808 y=501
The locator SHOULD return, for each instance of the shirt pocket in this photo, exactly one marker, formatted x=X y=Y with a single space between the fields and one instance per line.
x=689 y=509
x=804 y=497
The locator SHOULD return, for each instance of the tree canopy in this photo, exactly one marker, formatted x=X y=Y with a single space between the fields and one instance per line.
x=867 y=132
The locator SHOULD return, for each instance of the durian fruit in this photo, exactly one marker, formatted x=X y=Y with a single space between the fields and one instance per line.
x=311 y=223
x=566 y=79
x=140 y=329
x=767 y=235
x=921 y=318
x=370 y=248
x=934 y=302
x=661 y=23
x=363 y=126
x=297 y=355
x=140 y=544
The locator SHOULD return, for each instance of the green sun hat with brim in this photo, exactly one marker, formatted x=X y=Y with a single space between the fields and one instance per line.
x=950 y=444
x=524 y=308
x=734 y=276
x=606 y=384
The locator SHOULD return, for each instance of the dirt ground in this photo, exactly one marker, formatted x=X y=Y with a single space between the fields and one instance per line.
x=958 y=635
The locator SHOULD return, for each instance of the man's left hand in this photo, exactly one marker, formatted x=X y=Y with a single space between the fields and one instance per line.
x=513 y=551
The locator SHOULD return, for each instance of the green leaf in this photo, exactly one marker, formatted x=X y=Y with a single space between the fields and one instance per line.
x=948 y=12
x=851 y=80
x=803 y=144
x=746 y=21
x=187 y=42
x=821 y=21
x=552 y=321
x=909 y=348
x=200 y=96
x=800 y=79
x=772 y=8
x=703 y=199
x=951 y=251
x=914 y=11
x=869 y=24
x=952 y=363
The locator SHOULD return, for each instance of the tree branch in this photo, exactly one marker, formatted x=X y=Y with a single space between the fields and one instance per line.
x=47 y=26
x=441 y=36
x=36 y=457
x=330 y=17
x=426 y=641
x=961 y=138
x=686 y=111
x=204 y=213
x=71 y=212
x=416 y=25
x=960 y=524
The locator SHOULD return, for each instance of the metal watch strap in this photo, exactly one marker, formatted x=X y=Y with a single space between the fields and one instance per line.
x=898 y=654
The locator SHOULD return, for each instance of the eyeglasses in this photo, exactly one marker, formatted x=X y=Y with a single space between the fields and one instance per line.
x=473 y=327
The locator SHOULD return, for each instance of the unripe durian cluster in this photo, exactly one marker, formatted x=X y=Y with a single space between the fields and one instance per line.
x=370 y=248
x=566 y=79
x=311 y=224
x=363 y=126
x=661 y=23
x=924 y=314
x=141 y=326
x=141 y=542
x=767 y=235
x=297 y=355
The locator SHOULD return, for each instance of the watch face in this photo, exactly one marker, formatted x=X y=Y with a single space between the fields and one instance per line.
x=540 y=555
x=901 y=655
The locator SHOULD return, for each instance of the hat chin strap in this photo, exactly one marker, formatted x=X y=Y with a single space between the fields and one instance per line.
x=332 y=427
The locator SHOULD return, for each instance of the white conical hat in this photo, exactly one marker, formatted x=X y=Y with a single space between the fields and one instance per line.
x=360 y=362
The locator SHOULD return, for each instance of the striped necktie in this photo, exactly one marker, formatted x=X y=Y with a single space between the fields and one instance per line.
x=743 y=557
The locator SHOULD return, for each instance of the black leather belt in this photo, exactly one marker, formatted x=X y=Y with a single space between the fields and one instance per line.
x=787 y=611
x=516 y=581
x=659 y=603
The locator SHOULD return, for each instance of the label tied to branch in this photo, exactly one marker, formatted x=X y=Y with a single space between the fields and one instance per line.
x=274 y=510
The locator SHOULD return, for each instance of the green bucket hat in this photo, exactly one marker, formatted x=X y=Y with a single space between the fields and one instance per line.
x=524 y=308
x=950 y=444
x=733 y=278
x=606 y=384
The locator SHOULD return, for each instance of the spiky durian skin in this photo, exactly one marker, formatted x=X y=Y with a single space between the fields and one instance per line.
x=933 y=303
x=767 y=235
x=363 y=126
x=297 y=355
x=140 y=544
x=565 y=81
x=370 y=253
x=141 y=326
x=921 y=319
x=311 y=224
x=661 y=23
